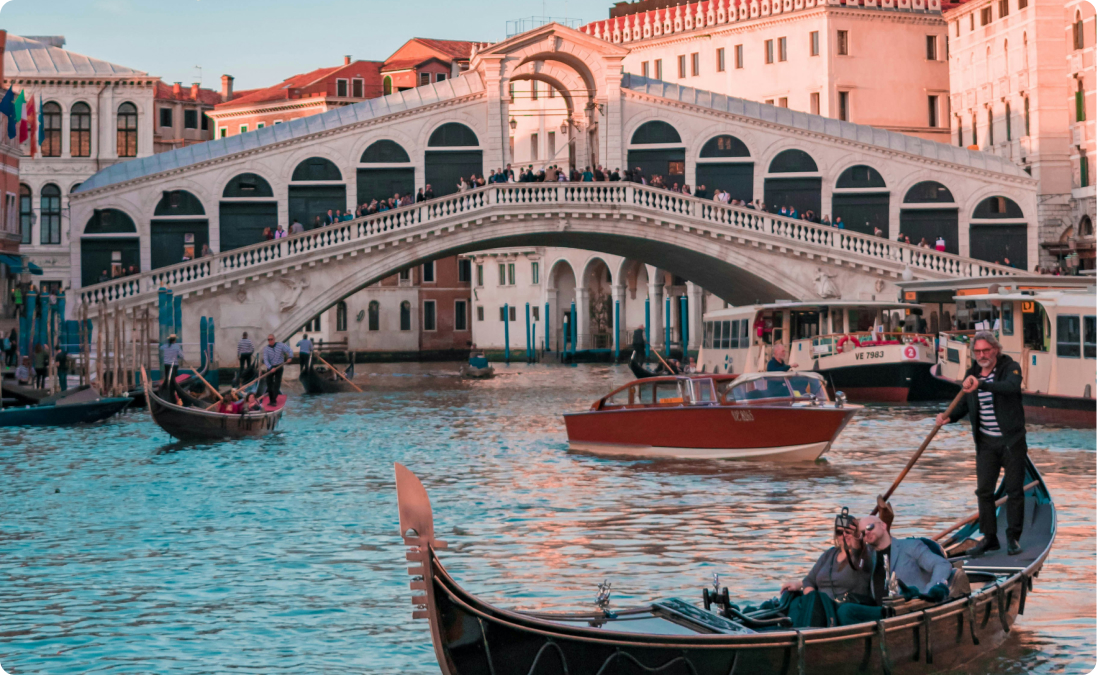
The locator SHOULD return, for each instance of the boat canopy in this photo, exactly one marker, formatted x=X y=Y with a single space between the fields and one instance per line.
x=752 y=310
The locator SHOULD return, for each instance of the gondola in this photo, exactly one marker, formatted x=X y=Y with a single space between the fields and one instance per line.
x=640 y=372
x=319 y=378
x=82 y=406
x=673 y=635
x=470 y=371
x=195 y=423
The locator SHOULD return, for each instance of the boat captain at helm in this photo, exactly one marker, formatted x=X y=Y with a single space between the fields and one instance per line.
x=779 y=362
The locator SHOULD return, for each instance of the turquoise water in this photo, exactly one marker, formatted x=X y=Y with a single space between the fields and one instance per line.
x=122 y=552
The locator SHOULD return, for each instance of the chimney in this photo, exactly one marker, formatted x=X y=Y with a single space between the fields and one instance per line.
x=226 y=87
x=346 y=60
x=194 y=90
x=176 y=89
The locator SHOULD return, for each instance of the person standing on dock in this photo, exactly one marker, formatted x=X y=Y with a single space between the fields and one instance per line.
x=993 y=403
x=245 y=350
x=274 y=355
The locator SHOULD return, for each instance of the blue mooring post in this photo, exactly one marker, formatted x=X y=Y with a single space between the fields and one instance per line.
x=548 y=324
x=27 y=334
x=177 y=317
x=574 y=329
x=683 y=304
x=506 y=333
x=203 y=341
x=41 y=328
x=616 y=331
x=533 y=343
x=529 y=345
x=666 y=329
x=647 y=328
x=163 y=317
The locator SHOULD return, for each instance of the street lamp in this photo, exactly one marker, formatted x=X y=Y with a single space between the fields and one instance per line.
x=513 y=124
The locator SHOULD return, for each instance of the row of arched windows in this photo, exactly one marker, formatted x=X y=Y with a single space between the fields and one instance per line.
x=49 y=211
x=80 y=130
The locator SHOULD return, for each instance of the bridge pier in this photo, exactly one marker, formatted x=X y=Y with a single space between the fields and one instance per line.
x=582 y=318
x=696 y=296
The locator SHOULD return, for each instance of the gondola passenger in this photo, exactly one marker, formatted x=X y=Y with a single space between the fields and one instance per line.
x=252 y=404
x=839 y=577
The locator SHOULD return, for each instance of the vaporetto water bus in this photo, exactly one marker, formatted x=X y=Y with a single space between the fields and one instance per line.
x=873 y=351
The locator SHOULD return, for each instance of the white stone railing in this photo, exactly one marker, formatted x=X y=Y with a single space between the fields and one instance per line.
x=702 y=214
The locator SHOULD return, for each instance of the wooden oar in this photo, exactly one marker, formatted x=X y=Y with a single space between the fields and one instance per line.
x=925 y=444
x=208 y=385
x=665 y=364
x=339 y=373
x=241 y=388
x=975 y=516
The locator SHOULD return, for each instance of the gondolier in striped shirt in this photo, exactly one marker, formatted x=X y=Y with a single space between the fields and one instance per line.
x=170 y=356
x=245 y=350
x=274 y=355
x=993 y=403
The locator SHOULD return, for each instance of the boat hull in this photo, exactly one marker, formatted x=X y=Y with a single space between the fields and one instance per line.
x=897 y=382
x=784 y=433
x=475 y=373
x=319 y=383
x=59 y=415
x=191 y=424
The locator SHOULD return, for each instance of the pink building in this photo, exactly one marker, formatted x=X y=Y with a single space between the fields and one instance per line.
x=877 y=62
x=1022 y=81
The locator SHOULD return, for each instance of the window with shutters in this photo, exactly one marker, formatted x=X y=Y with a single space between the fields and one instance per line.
x=80 y=130
x=460 y=315
x=843 y=43
x=51 y=130
x=430 y=319
x=931 y=47
x=50 y=226
x=165 y=117
x=720 y=60
x=814 y=103
x=127 y=130
x=681 y=65
x=782 y=49
x=815 y=43
x=769 y=51
x=738 y=56
x=695 y=64
x=644 y=69
x=374 y=315
x=341 y=88
x=358 y=88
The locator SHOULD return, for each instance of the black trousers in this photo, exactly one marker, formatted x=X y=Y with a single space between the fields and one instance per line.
x=245 y=363
x=992 y=455
x=274 y=385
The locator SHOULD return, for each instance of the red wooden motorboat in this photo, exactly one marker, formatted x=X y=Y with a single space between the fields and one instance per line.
x=772 y=416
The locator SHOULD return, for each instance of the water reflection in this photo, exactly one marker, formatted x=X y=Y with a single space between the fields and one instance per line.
x=124 y=552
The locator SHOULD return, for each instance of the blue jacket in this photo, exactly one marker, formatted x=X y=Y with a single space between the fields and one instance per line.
x=913 y=562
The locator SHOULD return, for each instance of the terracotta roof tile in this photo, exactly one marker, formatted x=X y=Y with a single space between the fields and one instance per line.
x=295 y=86
x=165 y=92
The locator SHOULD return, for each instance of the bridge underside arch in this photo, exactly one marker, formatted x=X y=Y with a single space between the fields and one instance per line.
x=731 y=275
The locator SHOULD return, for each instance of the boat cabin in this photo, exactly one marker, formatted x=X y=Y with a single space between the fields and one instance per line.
x=1052 y=334
x=741 y=339
x=791 y=388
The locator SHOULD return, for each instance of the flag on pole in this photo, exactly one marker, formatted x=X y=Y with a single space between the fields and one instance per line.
x=32 y=125
x=7 y=108
x=41 y=131
x=20 y=110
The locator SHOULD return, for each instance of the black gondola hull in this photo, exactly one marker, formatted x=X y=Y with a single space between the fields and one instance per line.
x=59 y=415
x=195 y=424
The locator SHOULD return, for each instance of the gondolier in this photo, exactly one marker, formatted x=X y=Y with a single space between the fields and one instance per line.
x=245 y=350
x=993 y=402
x=170 y=355
x=639 y=344
x=274 y=355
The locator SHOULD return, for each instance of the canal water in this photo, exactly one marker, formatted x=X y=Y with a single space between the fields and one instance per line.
x=123 y=552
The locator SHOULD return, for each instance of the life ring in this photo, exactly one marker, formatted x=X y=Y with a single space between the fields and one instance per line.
x=847 y=338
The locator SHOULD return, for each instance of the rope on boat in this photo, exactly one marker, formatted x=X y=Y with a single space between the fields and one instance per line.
x=971 y=612
x=487 y=650
x=1003 y=608
x=541 y=651
x=620 y=654
x=927 y=623
x=885 y=660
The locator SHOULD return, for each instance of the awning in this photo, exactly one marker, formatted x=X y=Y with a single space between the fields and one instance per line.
x=16 y=264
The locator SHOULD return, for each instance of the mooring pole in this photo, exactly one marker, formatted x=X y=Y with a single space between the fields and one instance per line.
x=506 y=333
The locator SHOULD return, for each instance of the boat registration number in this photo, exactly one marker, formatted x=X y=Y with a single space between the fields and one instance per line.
x=869 y=355
x=742 y=416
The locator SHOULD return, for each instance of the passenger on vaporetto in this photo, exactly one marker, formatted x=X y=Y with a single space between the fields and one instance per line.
x=778 y=363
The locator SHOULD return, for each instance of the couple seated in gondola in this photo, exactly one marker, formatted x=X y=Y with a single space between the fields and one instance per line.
x=865 y=570
x=232 y=405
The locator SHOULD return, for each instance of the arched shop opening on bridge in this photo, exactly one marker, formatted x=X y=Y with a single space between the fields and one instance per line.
x=178 y=229
x=384 y=170
x=597 y=287
x=657 y=149
x=316 y=187
x=929 y=212
x=247 y=208
x=108 y=246
x=794 y=180
x=560 y=294
x=453 y=153
x=725 y=164
x=861 y=200
x=998 y=231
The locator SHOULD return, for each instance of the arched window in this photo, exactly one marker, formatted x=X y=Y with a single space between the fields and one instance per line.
x=990 y=126
x=793 y=161
x=1005 y=55
x=1009 y=124
x=998 y=207
x=179 y=203
x=316 y=168
x=51 y=215
x=655 y=131
x=1079 y=34
x=384 y=152
x=453 y=134
x=110 y=221
x=1026 y=117
x=248 y=185
x=725 y=146
x=959 y=131
x=51 y=130
x=80 y=130
x=405 y=315
x=974 y=129
x=928 y=192
x=375 y=315
x=26 y=212
x=127 y=130
x=860 y=176
x=1085 y=227
x=387 y=85
x=341 y=316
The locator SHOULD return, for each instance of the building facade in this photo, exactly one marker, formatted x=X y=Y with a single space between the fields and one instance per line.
x=421 y=61
x=11 y=264
x=94 y=114
x=877 y=62
x=1022 y=80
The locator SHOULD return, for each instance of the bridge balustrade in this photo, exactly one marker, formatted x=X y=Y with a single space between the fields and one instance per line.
x=722 y=219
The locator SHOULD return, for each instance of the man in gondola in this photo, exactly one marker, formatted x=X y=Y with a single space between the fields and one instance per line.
x=171 y=354
x=639 y=344
x=275 y=354
x=992 y=401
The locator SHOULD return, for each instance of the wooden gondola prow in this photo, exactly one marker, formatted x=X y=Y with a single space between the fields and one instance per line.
x=925 y=444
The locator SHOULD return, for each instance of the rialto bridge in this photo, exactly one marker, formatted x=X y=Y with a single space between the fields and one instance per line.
x=147 y=212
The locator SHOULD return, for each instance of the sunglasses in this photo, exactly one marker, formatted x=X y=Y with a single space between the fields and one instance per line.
x=870 y=528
